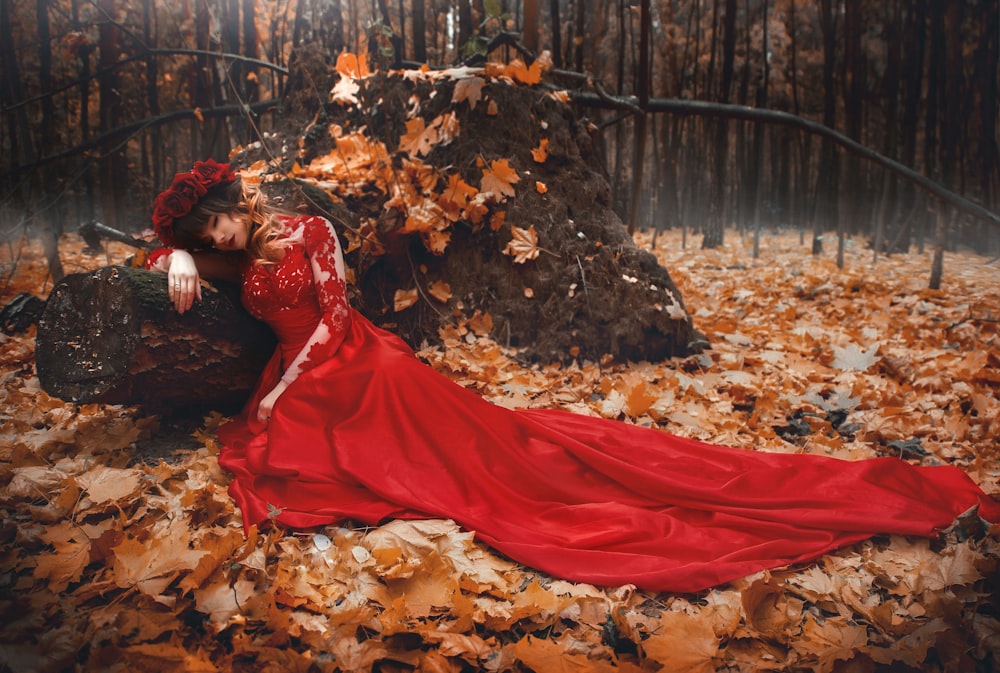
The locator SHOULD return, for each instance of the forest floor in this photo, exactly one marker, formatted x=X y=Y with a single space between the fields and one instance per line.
x=111 y=560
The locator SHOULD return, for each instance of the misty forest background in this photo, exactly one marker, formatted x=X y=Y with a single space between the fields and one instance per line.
x=103 y=100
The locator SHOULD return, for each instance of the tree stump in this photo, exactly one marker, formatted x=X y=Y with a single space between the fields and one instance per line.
x=112 y=336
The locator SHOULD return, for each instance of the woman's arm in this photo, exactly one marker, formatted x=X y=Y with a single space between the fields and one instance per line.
x=185 y=269
x=326 y=261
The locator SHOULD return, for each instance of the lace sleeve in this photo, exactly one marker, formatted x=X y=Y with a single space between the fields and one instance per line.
x=326 y=262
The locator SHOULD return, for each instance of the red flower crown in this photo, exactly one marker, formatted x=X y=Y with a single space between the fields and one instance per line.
x=184 y=193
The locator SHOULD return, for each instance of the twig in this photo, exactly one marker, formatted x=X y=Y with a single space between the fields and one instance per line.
x=586 y=292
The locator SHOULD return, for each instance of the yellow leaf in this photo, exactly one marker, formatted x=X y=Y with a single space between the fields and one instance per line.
x=404 y=299
x=523 y=244
x=499 y=178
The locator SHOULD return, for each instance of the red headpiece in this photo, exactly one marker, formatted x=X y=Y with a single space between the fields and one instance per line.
x=184 y=193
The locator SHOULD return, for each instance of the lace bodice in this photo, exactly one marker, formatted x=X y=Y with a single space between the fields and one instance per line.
x=303 y=297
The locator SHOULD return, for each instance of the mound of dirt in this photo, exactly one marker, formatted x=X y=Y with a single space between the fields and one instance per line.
x=582 y=288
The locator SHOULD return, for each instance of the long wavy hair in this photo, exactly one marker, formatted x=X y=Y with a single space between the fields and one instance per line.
x=265 y=243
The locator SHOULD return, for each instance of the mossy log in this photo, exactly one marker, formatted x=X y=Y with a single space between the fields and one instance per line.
x=112 y=336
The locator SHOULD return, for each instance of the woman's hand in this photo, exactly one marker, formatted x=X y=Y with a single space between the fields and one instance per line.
x=183 y=282
x=267 y=404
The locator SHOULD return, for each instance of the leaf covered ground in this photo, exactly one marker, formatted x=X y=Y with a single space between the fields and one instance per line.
x=111 y=563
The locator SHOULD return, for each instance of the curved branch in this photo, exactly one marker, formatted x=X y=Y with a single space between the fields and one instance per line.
x=746 y=113
x=139 y=57
x=136 y=126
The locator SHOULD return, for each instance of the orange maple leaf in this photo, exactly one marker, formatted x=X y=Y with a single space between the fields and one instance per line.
x=524 y=74
x=523 y=244
x=457 y=194
x=540 y=187
x=352 y=65
x=498 y=178
x=497 y=219
x=436 y=241
x=541 y=153
x=418 y=139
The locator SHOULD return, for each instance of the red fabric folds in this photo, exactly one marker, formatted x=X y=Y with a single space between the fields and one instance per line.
x=373 y=433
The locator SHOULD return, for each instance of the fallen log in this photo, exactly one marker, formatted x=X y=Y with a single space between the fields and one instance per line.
x=112 y=336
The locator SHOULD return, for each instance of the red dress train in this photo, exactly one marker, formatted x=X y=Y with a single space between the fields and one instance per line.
x=368 y=432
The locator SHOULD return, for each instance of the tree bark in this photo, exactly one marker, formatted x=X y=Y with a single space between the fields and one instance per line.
x=112 y=336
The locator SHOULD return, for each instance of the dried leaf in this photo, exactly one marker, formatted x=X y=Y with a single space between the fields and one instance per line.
x=853 y=358
x=499 y=179
x=440 y=290
x=404 y=299
x=523 y=244
x=541 y=153
x=468 y=89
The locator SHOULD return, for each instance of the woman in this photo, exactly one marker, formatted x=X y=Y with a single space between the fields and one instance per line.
x=345 y=423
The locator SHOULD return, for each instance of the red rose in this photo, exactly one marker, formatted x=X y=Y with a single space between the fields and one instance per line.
x=209 y=173
x=184 y=193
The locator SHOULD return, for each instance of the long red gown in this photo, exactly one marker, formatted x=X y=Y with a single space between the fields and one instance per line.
x=367 y=432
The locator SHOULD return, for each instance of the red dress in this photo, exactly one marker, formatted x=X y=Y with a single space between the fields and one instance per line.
x=367 y=432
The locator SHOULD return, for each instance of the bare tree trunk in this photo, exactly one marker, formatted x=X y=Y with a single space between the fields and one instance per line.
x=758 y=140
x=530 y=31
x=854 y=90
x=557 y=60
x=936 y=73
x=10 y=93
x=826 y=214
x=83 y=54
x=114 y=167
x=251 y=49
x=50 y=219
x=465 y=27
x=419 y=32
x=915 y=37
x=715 y=227
x=639 y=160
x=951 y=114
x=985 y=77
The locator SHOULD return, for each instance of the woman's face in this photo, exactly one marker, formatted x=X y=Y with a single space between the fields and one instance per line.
x=225 y=232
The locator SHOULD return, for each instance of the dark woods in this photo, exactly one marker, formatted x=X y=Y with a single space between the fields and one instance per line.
x=103 y=100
